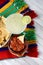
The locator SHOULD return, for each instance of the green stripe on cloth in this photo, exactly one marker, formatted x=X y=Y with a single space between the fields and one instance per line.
x=13 y=8
x=29 y=34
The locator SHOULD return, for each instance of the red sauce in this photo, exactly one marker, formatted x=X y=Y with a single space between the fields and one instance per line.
x=16 y=44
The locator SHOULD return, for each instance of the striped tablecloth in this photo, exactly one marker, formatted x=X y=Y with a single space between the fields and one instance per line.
x=36 y=5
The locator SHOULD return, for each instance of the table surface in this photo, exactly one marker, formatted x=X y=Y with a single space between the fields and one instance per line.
x=37 y=6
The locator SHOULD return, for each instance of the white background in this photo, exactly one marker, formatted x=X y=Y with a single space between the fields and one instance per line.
x=36 y=5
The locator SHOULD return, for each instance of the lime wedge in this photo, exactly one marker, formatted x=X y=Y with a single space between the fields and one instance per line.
x=26 y=20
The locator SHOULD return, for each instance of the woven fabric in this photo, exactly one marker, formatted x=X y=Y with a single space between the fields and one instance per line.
x=15 y=6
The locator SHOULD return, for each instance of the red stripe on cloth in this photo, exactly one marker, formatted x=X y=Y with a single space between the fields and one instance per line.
x=32 y=23
x=32 y=52
x=31 y=13
x=6 y=54
x=2 y=1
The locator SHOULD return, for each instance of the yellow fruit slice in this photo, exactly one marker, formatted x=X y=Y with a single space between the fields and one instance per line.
x=26 y=20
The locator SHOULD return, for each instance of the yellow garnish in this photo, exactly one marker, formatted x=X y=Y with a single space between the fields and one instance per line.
x=26 y=20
